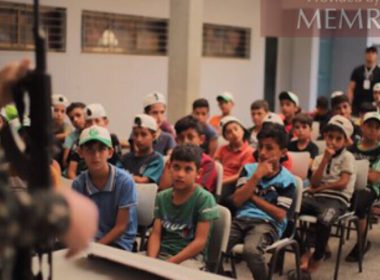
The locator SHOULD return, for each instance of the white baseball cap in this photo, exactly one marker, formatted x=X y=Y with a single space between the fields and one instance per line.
x=225 y=96
x=344 y=124
x=59 y=99
x=144 y=120
x=154 y=98
x=96 y=133
x=94 y=111
x=371 y=116
x=376 y=87
x=336 y=94
x=273 y=118
x=291 y=96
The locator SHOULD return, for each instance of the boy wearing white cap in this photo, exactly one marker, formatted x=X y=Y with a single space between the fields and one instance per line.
x=332 y=185
x=376 y=96
x=290 y=106
x=226 y=103
x=155 y=106
x=95 y=114
x=112 y=189
x=368 y=148
x=145 y=164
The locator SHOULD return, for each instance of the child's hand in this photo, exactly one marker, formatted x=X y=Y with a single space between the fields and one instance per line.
x=329 y=153
x=264 y=168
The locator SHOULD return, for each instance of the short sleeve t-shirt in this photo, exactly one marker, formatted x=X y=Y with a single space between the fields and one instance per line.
x=208 y=176
x=215 y=122
x=71 y=139
x=234 y=160
x=362 y=95
x=119 y=193
x=342 y=162
x=311 y=148
x=150 y=166
x=278 y=190
x=179 y=222
x=163 y=143
x=372 y=155
x=210 y=134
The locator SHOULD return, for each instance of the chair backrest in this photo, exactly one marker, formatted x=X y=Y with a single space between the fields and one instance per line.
x=221 y=141
x=295 y=208
x=301 y=163
x=219 y=179
x=321 y=144
x=362 y=169
x=298 y=195
x=146 y=196
x=219 y=238
x=315 y=131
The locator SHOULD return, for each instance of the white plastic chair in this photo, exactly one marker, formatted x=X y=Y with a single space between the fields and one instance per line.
x=217 y=247
x=219 y=180
x=301 y=163
x=315 y=131
x=321 y=144
x=146 y=196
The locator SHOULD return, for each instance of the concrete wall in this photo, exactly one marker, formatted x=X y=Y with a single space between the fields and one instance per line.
x=120 y=82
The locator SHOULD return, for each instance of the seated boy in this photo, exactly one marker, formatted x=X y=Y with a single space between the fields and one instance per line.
x=155 y=106
x=340 y=105
x=75 y=112
x=302 y=124
x=145 y=164
x=259 y=110
x=201 y=110
x=289 y=103
x=263 y=196
x=190 y=131
x=183 y=213
x=322 y=114
x=331 y=188
x=95 y=114
x=111 y=188
x=226 y=104
x=367 y=148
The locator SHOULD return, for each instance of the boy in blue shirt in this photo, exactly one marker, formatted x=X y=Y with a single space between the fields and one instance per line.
x=144 y=163
x=111 y=188
x=263 y=197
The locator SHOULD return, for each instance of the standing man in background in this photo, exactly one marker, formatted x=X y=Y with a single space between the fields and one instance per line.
x=363 y=78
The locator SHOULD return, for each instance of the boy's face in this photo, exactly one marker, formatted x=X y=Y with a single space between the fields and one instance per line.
x=288 y=108
x=184 y=174
x=143 y=138
x=201 y=114
x=371 y=130
x=225 y=107
x=335 y=140
x=270 y=150
x=234 y=133
x=376 y=97
x=343 y=109
x=59 y=113
x=303 y=131
x=190 y=136
x=77 y=118
x=96 y=155
x=103 y=122
x=258 y=116
x=158 y=111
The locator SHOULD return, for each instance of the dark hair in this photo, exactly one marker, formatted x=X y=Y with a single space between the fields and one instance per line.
x=303 y=119
x=284 y=95
x=367 y=107
x=276 y=132
x=260 y=104
x=73 y=106
x=334 y=128
x=147 y=108
x=188 y=122
x=323 y=102
x=336 y=101
x=187 y=153
x=201 y=103
x=371 y=49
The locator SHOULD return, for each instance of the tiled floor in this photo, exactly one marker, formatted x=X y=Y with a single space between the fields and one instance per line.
x=348 y=271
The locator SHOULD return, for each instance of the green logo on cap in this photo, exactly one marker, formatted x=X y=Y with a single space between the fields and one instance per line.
x=93 y=132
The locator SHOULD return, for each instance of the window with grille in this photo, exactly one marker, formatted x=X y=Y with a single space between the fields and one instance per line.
x=226 y=41
x=16 y=26
x=115 y=33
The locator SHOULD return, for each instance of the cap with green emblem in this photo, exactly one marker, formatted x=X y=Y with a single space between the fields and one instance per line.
x=95 y=133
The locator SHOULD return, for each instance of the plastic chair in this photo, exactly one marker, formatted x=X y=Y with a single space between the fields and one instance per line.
x=321 y=144
x=219 y=180
x=146 y=196
x=301 y=163
x=315 y=131
x=287 y=241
